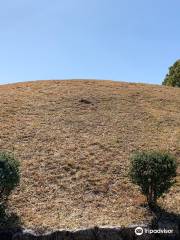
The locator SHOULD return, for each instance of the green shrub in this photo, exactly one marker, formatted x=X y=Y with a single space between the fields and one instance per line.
x=154 y=172
x=9 y=175
x=173 y=77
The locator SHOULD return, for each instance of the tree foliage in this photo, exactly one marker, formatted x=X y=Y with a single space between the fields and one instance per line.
x=9 y=175
x=154 y=172
x=173 y=77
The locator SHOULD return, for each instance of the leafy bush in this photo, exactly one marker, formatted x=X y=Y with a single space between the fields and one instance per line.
x=173 y=77
x=154 y=172
x=9 y=175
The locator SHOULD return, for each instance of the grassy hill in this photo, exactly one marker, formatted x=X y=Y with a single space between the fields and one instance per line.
x=74 y=139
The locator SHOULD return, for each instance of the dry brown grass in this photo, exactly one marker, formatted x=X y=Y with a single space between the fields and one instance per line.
x=74 y=155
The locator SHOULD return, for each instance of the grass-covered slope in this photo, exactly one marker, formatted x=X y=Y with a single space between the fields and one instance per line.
x=74 y=138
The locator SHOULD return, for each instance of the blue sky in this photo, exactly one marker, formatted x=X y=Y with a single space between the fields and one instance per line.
x=124 y=40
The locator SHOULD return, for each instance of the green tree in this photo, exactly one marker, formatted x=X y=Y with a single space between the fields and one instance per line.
x=9 y=175
x=173 y=77
x=154 y=172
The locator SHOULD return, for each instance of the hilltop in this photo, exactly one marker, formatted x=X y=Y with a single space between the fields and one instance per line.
x=74 y=138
